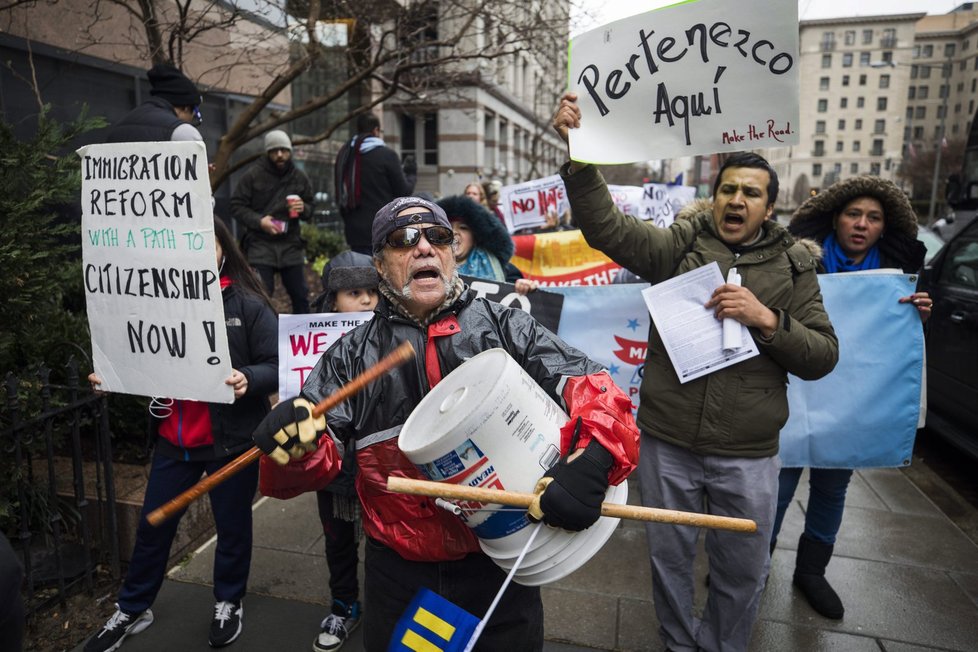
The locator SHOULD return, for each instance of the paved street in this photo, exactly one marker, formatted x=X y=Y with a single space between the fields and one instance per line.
x=908 y=577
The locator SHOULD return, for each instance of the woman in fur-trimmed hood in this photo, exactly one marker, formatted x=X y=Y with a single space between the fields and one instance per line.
x=862 y=223
x=484 y=245
x=897 y=244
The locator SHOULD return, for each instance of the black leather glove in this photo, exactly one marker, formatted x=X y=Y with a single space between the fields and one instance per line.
x=289 y=431
x=410 y=164
x=570 y=493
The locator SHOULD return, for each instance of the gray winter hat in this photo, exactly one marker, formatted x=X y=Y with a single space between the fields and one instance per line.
x=387 y=219
x=277 y=139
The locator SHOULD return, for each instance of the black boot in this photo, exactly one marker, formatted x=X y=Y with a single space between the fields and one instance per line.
x=813 y=557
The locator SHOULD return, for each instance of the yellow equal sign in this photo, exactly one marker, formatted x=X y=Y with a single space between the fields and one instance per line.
x=440 y=628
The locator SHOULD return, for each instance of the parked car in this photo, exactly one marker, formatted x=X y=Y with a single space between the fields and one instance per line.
x=932 y=240
x=952 y=341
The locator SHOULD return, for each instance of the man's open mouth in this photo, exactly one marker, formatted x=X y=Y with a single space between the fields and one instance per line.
x=733 y=219
x=424 y=274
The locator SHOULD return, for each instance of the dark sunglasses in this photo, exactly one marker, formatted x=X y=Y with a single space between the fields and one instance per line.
x=408 y=236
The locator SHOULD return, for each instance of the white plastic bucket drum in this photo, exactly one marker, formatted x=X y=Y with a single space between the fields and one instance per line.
x=489 y=425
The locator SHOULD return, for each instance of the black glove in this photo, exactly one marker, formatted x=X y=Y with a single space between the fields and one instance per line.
x=410 y=164
x=289 y=431
x=570 y=493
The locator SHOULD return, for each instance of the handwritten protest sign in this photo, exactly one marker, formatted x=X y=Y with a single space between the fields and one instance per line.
x=302 y=339
x=692 y=78
x=661 y=203
x=150 y=271
x=526 y=205
x=628 y=199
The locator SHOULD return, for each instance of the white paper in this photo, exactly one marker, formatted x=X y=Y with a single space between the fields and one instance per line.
x=150 y=271
x=692 y=335
x=526 y=205
x=731 y=327
x=692 y=78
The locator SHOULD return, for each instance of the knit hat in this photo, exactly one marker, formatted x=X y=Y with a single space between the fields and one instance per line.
x=387 y=219
x=170 y=84
x=277 y=139
x=346 y=270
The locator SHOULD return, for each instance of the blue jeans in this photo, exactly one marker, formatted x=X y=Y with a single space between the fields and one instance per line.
x=231 y=505
x=826 y=500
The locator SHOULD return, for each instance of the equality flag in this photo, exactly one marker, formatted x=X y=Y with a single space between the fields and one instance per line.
x=432 y=624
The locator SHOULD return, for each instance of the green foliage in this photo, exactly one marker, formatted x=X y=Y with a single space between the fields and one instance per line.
x=40 y=247
x=321 y=245
x=43 y=318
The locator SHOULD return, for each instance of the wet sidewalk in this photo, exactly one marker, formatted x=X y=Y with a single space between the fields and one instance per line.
x=908 y=577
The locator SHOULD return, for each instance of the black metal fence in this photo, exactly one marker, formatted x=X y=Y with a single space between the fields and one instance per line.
x=56 y=448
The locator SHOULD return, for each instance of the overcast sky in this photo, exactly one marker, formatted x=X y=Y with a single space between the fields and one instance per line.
x=607 y=11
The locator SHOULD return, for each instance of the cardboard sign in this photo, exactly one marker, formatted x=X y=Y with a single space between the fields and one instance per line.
x=661 y=203
x=692 y=78
x=526 y=205
x=302 y=339
x=150 y=271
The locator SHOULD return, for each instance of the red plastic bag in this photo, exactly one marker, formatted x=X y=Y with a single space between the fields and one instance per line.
x=310 y=473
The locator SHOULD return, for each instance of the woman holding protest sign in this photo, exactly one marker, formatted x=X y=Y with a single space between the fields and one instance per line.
x=483 y=246
x=861 y=223
x=194 y=438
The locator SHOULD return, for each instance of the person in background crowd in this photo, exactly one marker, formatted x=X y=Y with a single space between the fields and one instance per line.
x=172 y=111
x=410 y=542
x=493 y=188
x=483 y=245
x=714 y=439
x=861 y=223
x=269 y=200
x=368 y=175
x=194 y=438
x=476 y=193
x=349 y=285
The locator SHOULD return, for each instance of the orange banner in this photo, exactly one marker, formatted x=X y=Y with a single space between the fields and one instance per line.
x=562 y=258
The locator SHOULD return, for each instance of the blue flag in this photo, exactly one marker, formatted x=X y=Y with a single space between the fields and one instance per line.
x=432 y=624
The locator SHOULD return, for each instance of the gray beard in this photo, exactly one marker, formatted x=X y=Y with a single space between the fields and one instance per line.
x=397 y=297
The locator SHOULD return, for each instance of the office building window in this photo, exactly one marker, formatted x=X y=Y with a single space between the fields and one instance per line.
x=862 y=80
x=842 y=125
x=823 y=106
x=864 y=59
x=850 y=37
x=881 y=104
x=847 y=59
x=918 y=133
x=823 y=83
x=884 y=81
x=816 y=169
x=887 y=56
x=922 y=92
x=819 y=148
x=911 y=92
x=949 y=49
x=853 y=168
x=867 y=36
x=921 y=113
x=860 y=102
x=826 y=60
x=838 y=145
x=856 y=146
x=941 y=112
x=928 y=51
x=909 y=113
x=874 y=169
x=879 y=126
x=943 y=91
x=844 y=103
x=877 y=149
x=859 y=124
x=820 y=126
x=925 y=72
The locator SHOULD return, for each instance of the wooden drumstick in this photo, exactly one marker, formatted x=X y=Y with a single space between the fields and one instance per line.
x=517 y=499
x=396 y=358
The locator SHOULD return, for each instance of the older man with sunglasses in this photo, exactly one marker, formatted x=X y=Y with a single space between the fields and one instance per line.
x=411 y=543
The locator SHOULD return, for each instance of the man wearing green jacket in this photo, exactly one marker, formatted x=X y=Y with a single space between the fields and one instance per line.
x=714 y=439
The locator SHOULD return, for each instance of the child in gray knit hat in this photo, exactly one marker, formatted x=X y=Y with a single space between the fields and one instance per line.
x=349 y=285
